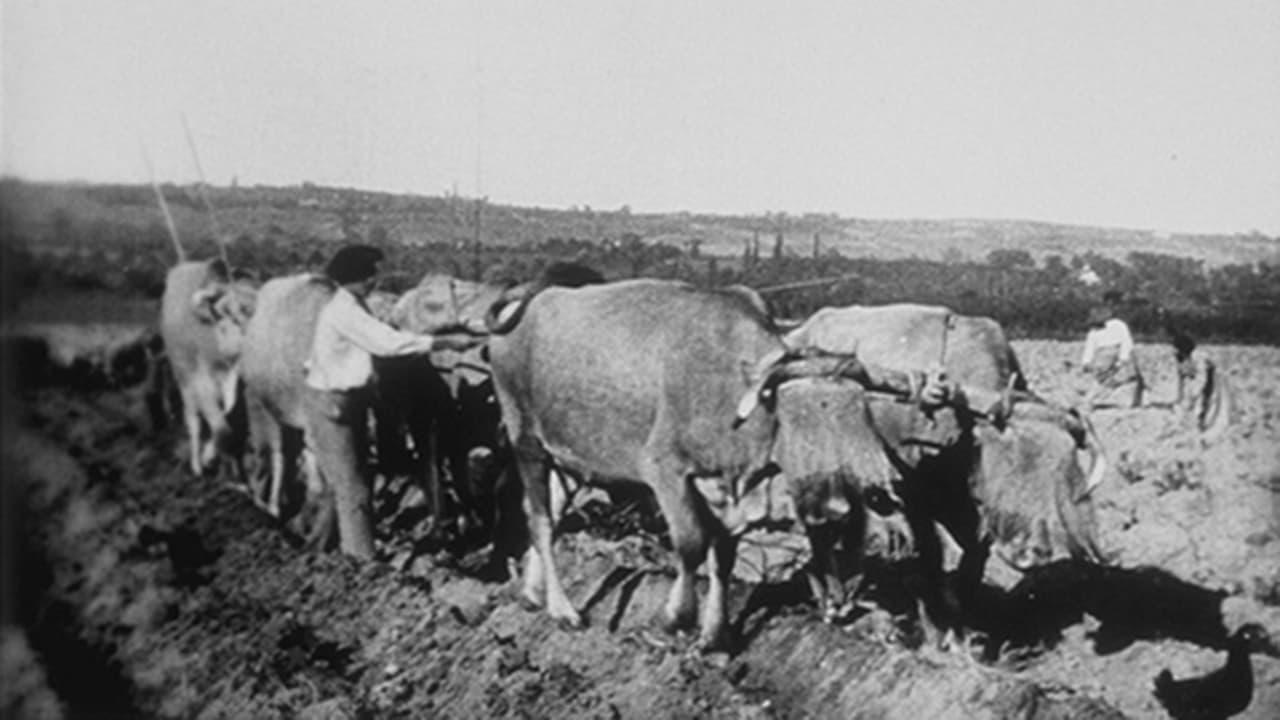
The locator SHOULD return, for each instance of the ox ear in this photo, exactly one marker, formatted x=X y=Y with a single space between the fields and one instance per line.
x=204 y=304
x=237 y=307
x=245 y=275
x=219 y=270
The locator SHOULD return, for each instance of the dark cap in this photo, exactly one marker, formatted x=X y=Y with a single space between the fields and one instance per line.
x=353 y=263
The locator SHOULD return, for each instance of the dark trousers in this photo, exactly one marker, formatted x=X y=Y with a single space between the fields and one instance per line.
x=338 y=435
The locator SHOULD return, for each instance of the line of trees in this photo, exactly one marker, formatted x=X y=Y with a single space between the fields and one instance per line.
x=1239 y=303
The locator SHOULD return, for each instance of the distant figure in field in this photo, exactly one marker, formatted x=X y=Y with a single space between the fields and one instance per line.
x=1203 y=391
x=1108 y=357
x=1183 y=348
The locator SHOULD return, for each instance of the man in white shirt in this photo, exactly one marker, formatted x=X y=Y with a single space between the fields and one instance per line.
x=1108 y=357
x=339 y=373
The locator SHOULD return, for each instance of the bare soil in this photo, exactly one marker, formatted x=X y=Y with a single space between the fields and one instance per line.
x=142 y=591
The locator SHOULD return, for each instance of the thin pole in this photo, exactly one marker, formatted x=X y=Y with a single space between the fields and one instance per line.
x=213 y=216
x=805 y=284
x=164 y=206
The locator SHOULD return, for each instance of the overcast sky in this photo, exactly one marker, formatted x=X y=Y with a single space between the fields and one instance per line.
x=1136 y=114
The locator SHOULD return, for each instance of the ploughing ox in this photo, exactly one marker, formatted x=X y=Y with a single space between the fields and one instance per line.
x=681 y=389
x=1021 y=478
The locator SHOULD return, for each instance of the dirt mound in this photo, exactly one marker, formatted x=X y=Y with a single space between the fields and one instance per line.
x=177 y=598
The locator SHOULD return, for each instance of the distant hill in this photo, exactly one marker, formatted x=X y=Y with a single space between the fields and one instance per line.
x=43 y=211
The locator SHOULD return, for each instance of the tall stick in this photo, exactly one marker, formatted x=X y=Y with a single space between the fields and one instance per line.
x=164 y=206
x=213 y=216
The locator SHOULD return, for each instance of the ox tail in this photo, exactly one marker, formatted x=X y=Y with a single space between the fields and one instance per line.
x=505 y=313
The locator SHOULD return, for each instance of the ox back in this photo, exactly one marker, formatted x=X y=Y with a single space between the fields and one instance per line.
x=277 y=343
x=973 y=350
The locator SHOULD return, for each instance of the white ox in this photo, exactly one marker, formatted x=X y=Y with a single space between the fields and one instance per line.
x=202 y=317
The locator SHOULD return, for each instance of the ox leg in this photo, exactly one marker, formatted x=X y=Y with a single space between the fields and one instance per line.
x=323 y=532
x=540 y=568
x=713 y=635
x=950 y=505
x=929 y=554
x=508 y=524
x=432 y=476
x=208 y=405
x=686 y=522
x=157 y=387
x=276 y=490
x=261 y=448
x=191 y=418
x=836 y=567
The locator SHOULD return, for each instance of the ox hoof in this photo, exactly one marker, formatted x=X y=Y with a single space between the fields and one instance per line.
x=570 y=623
x=677 y=623
x=844 y=613
x=712 y=646
x=718 y=659
x=650 y=639
x=567 y=618
x=528 y=603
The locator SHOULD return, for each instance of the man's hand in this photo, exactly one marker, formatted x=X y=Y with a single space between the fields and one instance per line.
x=455 y=341
x=475 y=326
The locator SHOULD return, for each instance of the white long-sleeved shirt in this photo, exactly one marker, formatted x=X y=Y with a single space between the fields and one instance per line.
x=347 y=337
x=1113 y=335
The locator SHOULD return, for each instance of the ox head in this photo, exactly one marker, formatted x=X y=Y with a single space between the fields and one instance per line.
x=847 y=433
x=827 y=430
x=226 y=305
x=441 y=303
x=1032 y=481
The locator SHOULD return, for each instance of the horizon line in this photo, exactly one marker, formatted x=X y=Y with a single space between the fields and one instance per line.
x=1253 y=233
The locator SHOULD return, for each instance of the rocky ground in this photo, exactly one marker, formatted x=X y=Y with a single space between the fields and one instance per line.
x=144 y=592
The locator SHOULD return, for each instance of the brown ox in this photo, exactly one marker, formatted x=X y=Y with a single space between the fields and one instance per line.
x=639 y=381
x=454 y=417
x=444 y=403
x=202 y=317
